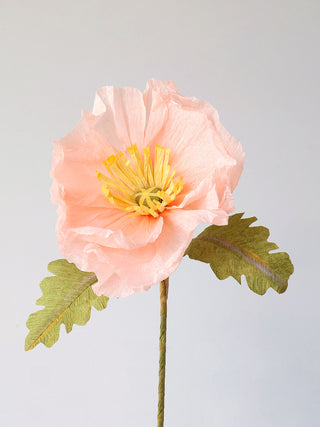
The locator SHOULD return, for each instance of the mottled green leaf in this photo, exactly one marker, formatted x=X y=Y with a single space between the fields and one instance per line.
x=237 y=249
x=67 y=297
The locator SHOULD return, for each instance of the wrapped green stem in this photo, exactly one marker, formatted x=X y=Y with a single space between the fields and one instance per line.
x=164 y=288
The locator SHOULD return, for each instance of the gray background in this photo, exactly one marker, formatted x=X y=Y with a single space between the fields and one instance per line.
x=234 y=358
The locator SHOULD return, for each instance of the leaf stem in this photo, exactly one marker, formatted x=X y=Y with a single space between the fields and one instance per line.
x=164 y=289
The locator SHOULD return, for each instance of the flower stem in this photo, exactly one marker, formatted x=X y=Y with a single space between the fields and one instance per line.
x=164 y=288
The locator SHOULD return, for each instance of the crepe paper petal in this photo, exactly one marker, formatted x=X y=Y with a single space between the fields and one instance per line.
x=134 y=179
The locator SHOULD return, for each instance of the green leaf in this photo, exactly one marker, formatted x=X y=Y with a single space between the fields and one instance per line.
x=67 y=297
x=237 y=249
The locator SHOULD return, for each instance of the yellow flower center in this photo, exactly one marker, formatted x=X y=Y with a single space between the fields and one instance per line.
x=139 y=185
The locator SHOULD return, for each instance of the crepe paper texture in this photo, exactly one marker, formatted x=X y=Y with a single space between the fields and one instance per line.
x=67 y=297
x=164 y=289
x=135 y=178
x=237 y=249
x=132 y=182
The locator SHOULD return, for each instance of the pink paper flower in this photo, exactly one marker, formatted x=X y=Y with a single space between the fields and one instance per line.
x=135 y=178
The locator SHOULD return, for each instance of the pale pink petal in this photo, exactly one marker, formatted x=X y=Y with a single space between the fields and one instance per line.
x=166 y=88
x=198 y=126
x=190 y=138
x=156 y=113
x=130 y=254
x=232 y=146
x=190 y=135
x=115 y=230
x=126 y=113
x=206 y=187
x=205 y=198
x=221 y=139
x=139 y=269
x=76 y=158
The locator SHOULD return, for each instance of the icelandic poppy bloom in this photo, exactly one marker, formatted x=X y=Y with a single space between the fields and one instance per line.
x=135 y=178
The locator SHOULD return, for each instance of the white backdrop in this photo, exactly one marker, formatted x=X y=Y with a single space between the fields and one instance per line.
x=235 y=359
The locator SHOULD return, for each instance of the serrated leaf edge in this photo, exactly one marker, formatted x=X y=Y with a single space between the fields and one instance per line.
x=88 y=282
x=249 y=256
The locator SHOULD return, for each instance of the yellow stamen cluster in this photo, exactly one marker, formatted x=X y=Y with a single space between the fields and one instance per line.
x=140 y=186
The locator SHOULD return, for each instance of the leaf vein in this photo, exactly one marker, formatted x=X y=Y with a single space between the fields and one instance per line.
x=72 y=297
x=250 y=257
